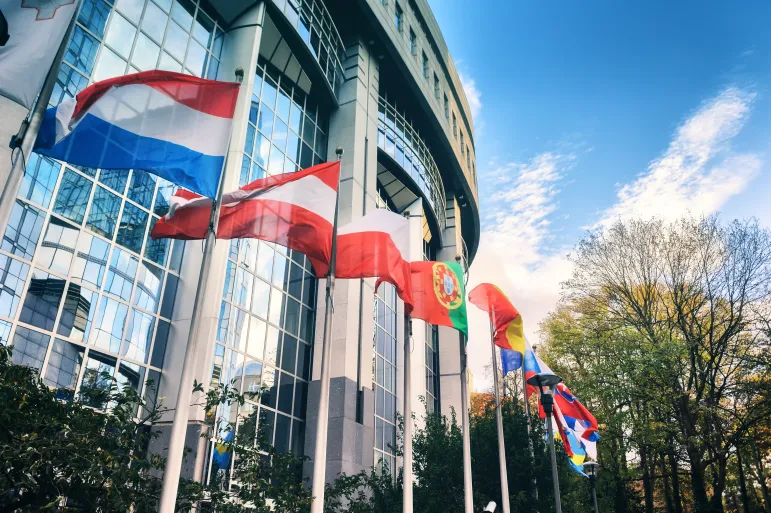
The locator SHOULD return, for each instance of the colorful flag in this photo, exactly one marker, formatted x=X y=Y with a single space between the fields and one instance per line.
x=506 y=320
x=377 y=246
x=510 y=360
x=222 y=451
x=31 y=33
x=439 y=294
x=533 y=365
x=172 y=125
x=296 y=210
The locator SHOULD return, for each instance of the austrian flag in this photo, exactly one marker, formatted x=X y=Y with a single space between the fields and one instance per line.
x=296 y=210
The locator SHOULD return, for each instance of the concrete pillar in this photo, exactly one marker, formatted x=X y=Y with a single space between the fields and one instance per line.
x=351 y=416
x=241 y=50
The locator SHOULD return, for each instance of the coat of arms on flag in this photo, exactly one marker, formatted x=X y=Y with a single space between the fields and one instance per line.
x=446 y=286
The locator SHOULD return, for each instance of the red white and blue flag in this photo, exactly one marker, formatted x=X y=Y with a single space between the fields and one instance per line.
x=172 y=125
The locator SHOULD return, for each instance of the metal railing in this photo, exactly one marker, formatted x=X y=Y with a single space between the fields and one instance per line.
x=315 y=26
x=397 y=137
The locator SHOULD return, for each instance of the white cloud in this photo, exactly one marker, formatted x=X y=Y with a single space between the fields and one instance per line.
x=513 y=251
x=698 y=172
x=473 y=95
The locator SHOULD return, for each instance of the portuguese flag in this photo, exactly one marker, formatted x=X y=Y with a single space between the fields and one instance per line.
x=439 y=294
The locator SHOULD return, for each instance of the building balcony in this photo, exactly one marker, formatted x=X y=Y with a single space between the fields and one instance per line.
x=398 y=139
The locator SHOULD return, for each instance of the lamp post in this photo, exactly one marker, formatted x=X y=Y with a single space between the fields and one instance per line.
x=591 y=467
x=546 y=381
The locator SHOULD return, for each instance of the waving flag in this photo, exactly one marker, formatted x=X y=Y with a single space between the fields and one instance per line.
x=172 y=125
x=377 y=246
x=510 y=360
x=296 y=210
x=506 y=320
x=439 y=294
x=30 y=35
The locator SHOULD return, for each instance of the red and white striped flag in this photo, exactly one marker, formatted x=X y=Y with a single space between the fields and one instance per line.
x=377 y=246
x=295 y=210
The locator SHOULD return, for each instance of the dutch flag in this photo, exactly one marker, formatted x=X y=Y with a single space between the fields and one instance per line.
x=172 y=125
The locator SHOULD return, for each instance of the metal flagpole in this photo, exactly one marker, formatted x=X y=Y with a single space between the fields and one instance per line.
x=182 y=408
x=407 y=455
x=468 y=492
x=12 y=185
x=499 y=419
x=534 y=481
x=322 y=422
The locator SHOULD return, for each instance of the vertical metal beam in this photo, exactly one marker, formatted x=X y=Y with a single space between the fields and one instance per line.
x=534 y=481
x=407 y=452
x=468 y=492
x=499 y=421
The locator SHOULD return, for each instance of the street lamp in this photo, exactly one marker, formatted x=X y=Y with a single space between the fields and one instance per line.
x=591 y=467
x=546 y=381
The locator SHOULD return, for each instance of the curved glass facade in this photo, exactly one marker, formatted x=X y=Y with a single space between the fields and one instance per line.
x=316 y=28
x=84 y=288
x=268 y=310
x=397 y=137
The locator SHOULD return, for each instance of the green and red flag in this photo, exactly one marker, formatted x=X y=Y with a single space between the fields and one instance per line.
x=439 y=294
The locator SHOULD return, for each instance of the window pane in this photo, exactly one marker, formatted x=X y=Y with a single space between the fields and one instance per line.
x=41 y=304
x=271 y=346
x=13 y=274
x=63 y=369
x=276 y=307
x=169 y=295
x=108 y=328
x=292 y=316
x=281 y=442
x=131 y=232
x=154 y=22
x=288 y=353
x=168 y=63
x=300 y=398
x=159 y=348
x=68 y=84
x=255 y=342
x=120 y=278
x=39 y=179
x=73 y=196
x=303 y=361
x=148 y=293
x=5 y=332
x=139 y=336
x=157 y=250
x=252 y=376
x=120 y=35
x=29 y=347
x=93 y=15
x=131 y=8
x=165 y=190
x=176 y=41
x=145 y=55
x=23 y=231
x=115 y=179
x=78 y=313
x=104 y=212
x=182 y=12
x=109 y=65
x=97 y=379
x=203 y=29
x=260 y=298
x=91 y=259
x=196 y=58
x=58 y=246
x=82 y=50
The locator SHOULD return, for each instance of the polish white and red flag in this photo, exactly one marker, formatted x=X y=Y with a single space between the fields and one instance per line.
x=295 y=210
x=377 y=246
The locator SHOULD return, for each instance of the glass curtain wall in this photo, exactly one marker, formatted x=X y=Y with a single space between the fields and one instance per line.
x=267 y=314
x=84 y=290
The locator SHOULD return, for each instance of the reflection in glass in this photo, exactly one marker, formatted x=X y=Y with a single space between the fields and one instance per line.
x=63 y=369
x=97 y=379
x=159 y=348
x=255 y=342
x=41 y=304
x=145 y=55
x=13 y=274
x=120 y=36
x=157 y=250
x=139 y=336
x=120 y=278
x=131 y=232
x=29 y=347
x=154 y=22
x=176 y=41
x=23 y=231
x=91 y=259
x=78 y=313
x=82 y=50
x=142 y=186
x=196 y=59
x=104 y=212
x=108 y=327
x=115 y=179
x=5 y=332
x=73 y=196
x=252 y=376
x=148 y=292
x=109 y=65
x=39 y=180
x=58 y=246
x=93 y=15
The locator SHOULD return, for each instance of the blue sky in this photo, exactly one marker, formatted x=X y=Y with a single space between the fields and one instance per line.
x=591 y=111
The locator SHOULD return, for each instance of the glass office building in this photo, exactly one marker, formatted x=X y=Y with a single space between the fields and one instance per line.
x=84 y=289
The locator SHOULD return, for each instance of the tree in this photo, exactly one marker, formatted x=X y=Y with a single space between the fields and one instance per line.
x=663 y=329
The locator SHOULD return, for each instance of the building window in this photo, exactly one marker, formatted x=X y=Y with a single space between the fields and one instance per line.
x=462 y=143
x=436 y=86
x=413 y=42
x=398 y=17
x=468 y=158
x=454 y=126
x=425 y=66
x=446 y=107
x=384 y=378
